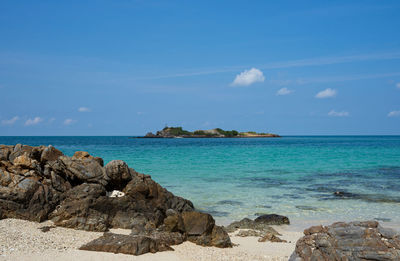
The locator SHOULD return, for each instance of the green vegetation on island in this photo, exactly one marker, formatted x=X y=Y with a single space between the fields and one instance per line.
x=179 y=132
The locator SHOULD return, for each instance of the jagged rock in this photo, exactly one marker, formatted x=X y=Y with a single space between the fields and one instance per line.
x=79 y=170
x=24 y=161
x=133 y=245
x=86 y=155
x=50 y=154
x=174 y=223
x=78 y=210
x=5 y=151
x=358 y=241
x=219 y=238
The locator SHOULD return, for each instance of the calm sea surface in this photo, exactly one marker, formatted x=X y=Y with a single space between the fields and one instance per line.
x=237 y=178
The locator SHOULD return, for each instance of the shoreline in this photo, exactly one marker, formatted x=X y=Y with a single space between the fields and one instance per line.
x=23 y=240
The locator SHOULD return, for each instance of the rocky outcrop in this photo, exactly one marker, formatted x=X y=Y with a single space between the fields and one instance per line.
x=40 y=183
x=358 y=241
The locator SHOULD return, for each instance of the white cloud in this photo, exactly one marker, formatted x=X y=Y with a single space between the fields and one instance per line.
x=394 y=114
x=84 y=109
x=398 y=85
x=338 y=113
x=69 y=121
x=10 y=121
x=248 y=77
x=327 y=93
x=283 y=91
x=33 y=121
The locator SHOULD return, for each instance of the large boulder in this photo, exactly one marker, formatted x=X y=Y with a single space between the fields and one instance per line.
x=118 y=174
x=358 y=241
x=197 y=223
x=79 y=171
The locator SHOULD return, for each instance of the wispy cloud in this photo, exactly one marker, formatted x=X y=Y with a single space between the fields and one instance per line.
x=316 y=61
x=68 y=121
x=338 y=113
x=10 y=121
x=84 y=109
x=33 y=121
x=284 y=91
x=398 y=85
x=248 y=77
x=394 y=114
x=327 y=93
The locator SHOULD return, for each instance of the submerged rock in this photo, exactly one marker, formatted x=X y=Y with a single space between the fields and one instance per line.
x=357 y=241
x=272 y=219
x=40 y=183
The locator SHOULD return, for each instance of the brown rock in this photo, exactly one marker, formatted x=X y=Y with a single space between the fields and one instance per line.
x=50 y=154
x=219 y=238
x=132 y=245
x=174 y=223
x=314 y=229
x=5 y=152
x=24 y=161
x=197 y=223
x=86 y=155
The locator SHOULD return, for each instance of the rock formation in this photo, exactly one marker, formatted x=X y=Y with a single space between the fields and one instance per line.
x=358 y=241
x=40 y=183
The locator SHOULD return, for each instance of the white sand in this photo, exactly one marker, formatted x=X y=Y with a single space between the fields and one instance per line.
x=23 y=240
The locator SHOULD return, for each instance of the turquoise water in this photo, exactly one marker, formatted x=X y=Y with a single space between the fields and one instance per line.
x=236 y=178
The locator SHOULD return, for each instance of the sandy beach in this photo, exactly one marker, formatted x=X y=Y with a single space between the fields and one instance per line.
x=24 y=240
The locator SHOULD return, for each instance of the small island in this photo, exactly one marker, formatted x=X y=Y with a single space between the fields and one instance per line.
x=179 y=132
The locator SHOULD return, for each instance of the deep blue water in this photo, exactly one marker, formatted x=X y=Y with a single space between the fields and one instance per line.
x=239 y=177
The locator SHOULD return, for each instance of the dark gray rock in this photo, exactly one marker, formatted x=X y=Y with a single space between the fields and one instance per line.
x=358 y=241
x=272 y=219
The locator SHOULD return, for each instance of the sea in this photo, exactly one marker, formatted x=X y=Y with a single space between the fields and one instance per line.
x=310 y=179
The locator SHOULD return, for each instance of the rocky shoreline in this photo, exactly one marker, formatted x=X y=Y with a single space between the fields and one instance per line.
x=41 y=184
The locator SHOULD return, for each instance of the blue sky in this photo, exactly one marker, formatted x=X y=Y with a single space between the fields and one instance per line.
x=128 y=67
